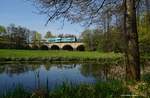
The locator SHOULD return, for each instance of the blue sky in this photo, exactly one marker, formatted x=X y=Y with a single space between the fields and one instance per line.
x=23 y=13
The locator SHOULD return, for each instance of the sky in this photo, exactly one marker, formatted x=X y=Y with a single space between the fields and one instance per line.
x=23 y=13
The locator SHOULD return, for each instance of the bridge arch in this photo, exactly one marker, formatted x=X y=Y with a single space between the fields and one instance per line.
x=67 y=47
x=44 y=47
x=80 y=48
x=55 y=47
x=28 y=47
x=35 y=47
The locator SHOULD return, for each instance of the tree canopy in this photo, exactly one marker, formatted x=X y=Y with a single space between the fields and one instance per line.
x=48 y=35
x=2 y=29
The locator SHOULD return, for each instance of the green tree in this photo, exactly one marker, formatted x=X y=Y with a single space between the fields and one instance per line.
x=100 y=42
x=36 y=38
x=17 y=35
x=2 y=29
x=48 y=35
x=144 y=34
x=86 y=37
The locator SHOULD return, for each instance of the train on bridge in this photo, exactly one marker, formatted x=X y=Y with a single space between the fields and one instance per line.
x=58 y=43
x=62 y=40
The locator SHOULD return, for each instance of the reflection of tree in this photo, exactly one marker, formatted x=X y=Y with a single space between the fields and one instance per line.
x=103 y=71
x=99 y=71
x=17 y=69
x=12 y=69
x=59 y=65
x=96 y=70
x=40 y=91
x=66 y=66
x=2 y=69
x=34 y=66
x=47 y=66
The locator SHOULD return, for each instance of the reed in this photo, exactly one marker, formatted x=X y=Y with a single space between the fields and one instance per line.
x=113 y=89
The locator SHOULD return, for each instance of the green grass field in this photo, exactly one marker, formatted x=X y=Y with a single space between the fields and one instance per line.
x=6 y=53
x=50 y=55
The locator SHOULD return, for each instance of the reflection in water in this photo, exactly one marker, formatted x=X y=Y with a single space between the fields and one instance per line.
x=104 y=72
x=35 y=76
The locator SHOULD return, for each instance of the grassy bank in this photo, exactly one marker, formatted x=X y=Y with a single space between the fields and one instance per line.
x=110 y=89
x=99 y=90
x=41 y=55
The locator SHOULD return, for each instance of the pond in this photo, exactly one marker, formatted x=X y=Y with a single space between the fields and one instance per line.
x=39 y=75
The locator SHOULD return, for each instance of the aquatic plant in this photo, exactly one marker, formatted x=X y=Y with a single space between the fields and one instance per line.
x=111 y=89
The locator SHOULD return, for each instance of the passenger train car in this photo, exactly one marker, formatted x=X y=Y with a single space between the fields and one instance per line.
x=62 y=40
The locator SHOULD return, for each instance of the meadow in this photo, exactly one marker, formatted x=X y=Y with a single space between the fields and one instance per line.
x=49 y=55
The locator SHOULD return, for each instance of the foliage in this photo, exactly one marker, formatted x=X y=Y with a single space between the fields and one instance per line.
x=99 y=90
x=140 y=88
x=36 y=38
x=97 y=40
x=2 y=29
x=66 y=35
x=15 y=37
x=19 y=92
x=48 y=35
x=146 y=77
x=109 y=89
x=144 y=34
x=87 y=39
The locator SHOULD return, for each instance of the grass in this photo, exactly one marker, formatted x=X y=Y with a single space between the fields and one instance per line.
x=43 y=55
x=109 y=89
x=113 y=89
x=50 y=53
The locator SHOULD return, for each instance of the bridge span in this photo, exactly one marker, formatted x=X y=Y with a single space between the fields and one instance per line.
x=58 y=46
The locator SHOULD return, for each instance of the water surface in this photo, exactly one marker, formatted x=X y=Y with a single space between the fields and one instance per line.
x=34 y=76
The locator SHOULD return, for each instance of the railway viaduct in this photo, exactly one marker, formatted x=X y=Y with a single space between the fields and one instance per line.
x=58 y=46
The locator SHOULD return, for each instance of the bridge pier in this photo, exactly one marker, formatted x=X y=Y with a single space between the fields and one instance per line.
x=74 y=49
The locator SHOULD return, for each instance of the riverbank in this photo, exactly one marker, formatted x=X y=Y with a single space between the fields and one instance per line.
x=98 y=90
x=111 y=89
x=51 y=56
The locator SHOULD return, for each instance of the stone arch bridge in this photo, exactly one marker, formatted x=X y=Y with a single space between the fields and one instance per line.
x=58 y=46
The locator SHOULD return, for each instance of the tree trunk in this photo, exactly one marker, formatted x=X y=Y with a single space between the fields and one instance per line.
x=125 y=36
x=132 y=46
